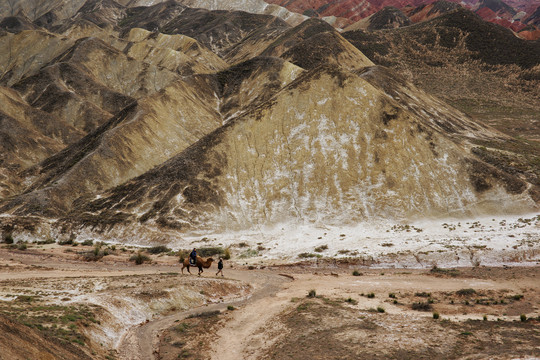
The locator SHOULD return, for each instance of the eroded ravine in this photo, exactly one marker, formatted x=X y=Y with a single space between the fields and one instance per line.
x=142 y=341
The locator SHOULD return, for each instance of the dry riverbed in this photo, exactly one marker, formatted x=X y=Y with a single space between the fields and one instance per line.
x=54 y=304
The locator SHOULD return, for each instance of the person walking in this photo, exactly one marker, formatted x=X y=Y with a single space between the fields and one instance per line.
x=220 y=267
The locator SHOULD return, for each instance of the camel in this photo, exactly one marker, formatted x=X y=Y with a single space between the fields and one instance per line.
x=201 y=263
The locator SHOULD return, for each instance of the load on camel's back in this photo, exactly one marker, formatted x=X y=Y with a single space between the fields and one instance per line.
x=200 y=263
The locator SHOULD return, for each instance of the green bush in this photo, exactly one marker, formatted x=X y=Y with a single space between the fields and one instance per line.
x=139 y=258
x=421 y=306
x=307 y=255
x=88 y=242
x=8 y=239
x=312 y=294
x=371 y=295
x=321 y=248
x=230 y=307
x=466 y=292
x=210 y=251
x=380 y=309
x=435 y=315
x=351 y=301
x=356 y=273
x=523 y=317
x=158 y=249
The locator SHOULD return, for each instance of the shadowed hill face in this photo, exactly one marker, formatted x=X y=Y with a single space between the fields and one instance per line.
x=388 y=18
x=27 y=136
x=65 y=91
x=488 y=42
x=534 y=19
x=430 y=11
x=329 y=159
x=219 y=30
x=15 y=24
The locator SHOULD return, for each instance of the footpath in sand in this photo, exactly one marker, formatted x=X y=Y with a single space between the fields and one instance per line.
x=54 y=305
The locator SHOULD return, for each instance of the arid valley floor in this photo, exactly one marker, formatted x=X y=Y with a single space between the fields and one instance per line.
x=54 y=304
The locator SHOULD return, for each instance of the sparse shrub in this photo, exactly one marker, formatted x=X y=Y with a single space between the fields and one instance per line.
x=523 y=317
x=422 y=294
x=182 y=327
x=392 y=295
x=139 y=258
x=88 y=242
x=307 y=255
x=466 y=292
x=351 y=301
x=517 y=297
x=438 y=271
x=210 y=251
x=243 y=244
x=66 y=242
x=371 y=295
x=21 y=246
x=380 y=309
x=395 y=302
x=46 y=241
x=227 y=254
x=356 y=273
x=321 y=248
x=430 y=301
x=435 y=315
x=312 y=294
x=249 y=253
x=8 y=239
x=158 y=249
x=421 y=306
x=230 y=307
x=204 y=314
x=485 y=317
x=96 y=254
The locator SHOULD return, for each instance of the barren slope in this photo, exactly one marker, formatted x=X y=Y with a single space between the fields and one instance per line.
x=328 y=160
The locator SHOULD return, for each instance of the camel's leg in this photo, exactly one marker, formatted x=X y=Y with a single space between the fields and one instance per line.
x=188 y=269
x=183 y=266
x=200 y=271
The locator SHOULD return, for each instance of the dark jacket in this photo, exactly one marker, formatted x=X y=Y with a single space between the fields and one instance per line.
x=220 y=264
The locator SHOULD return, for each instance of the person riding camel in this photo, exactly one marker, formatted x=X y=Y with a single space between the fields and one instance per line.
x=193 y=257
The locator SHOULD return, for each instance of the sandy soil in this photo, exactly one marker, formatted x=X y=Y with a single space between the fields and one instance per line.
x=114 y=309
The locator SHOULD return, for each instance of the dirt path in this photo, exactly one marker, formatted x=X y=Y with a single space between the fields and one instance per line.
x=141 y=342
x=247 y=334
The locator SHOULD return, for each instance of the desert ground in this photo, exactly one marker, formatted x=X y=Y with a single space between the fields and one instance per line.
x=56 y=304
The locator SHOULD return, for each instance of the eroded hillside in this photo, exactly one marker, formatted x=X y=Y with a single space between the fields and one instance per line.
x=169 y=118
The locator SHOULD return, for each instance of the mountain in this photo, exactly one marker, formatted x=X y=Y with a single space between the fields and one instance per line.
x=429 y=11
x=534 y=18
x=508 y=14
x=138 y=118
x=387 y=18
x=322 y=161
x=479 y=67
